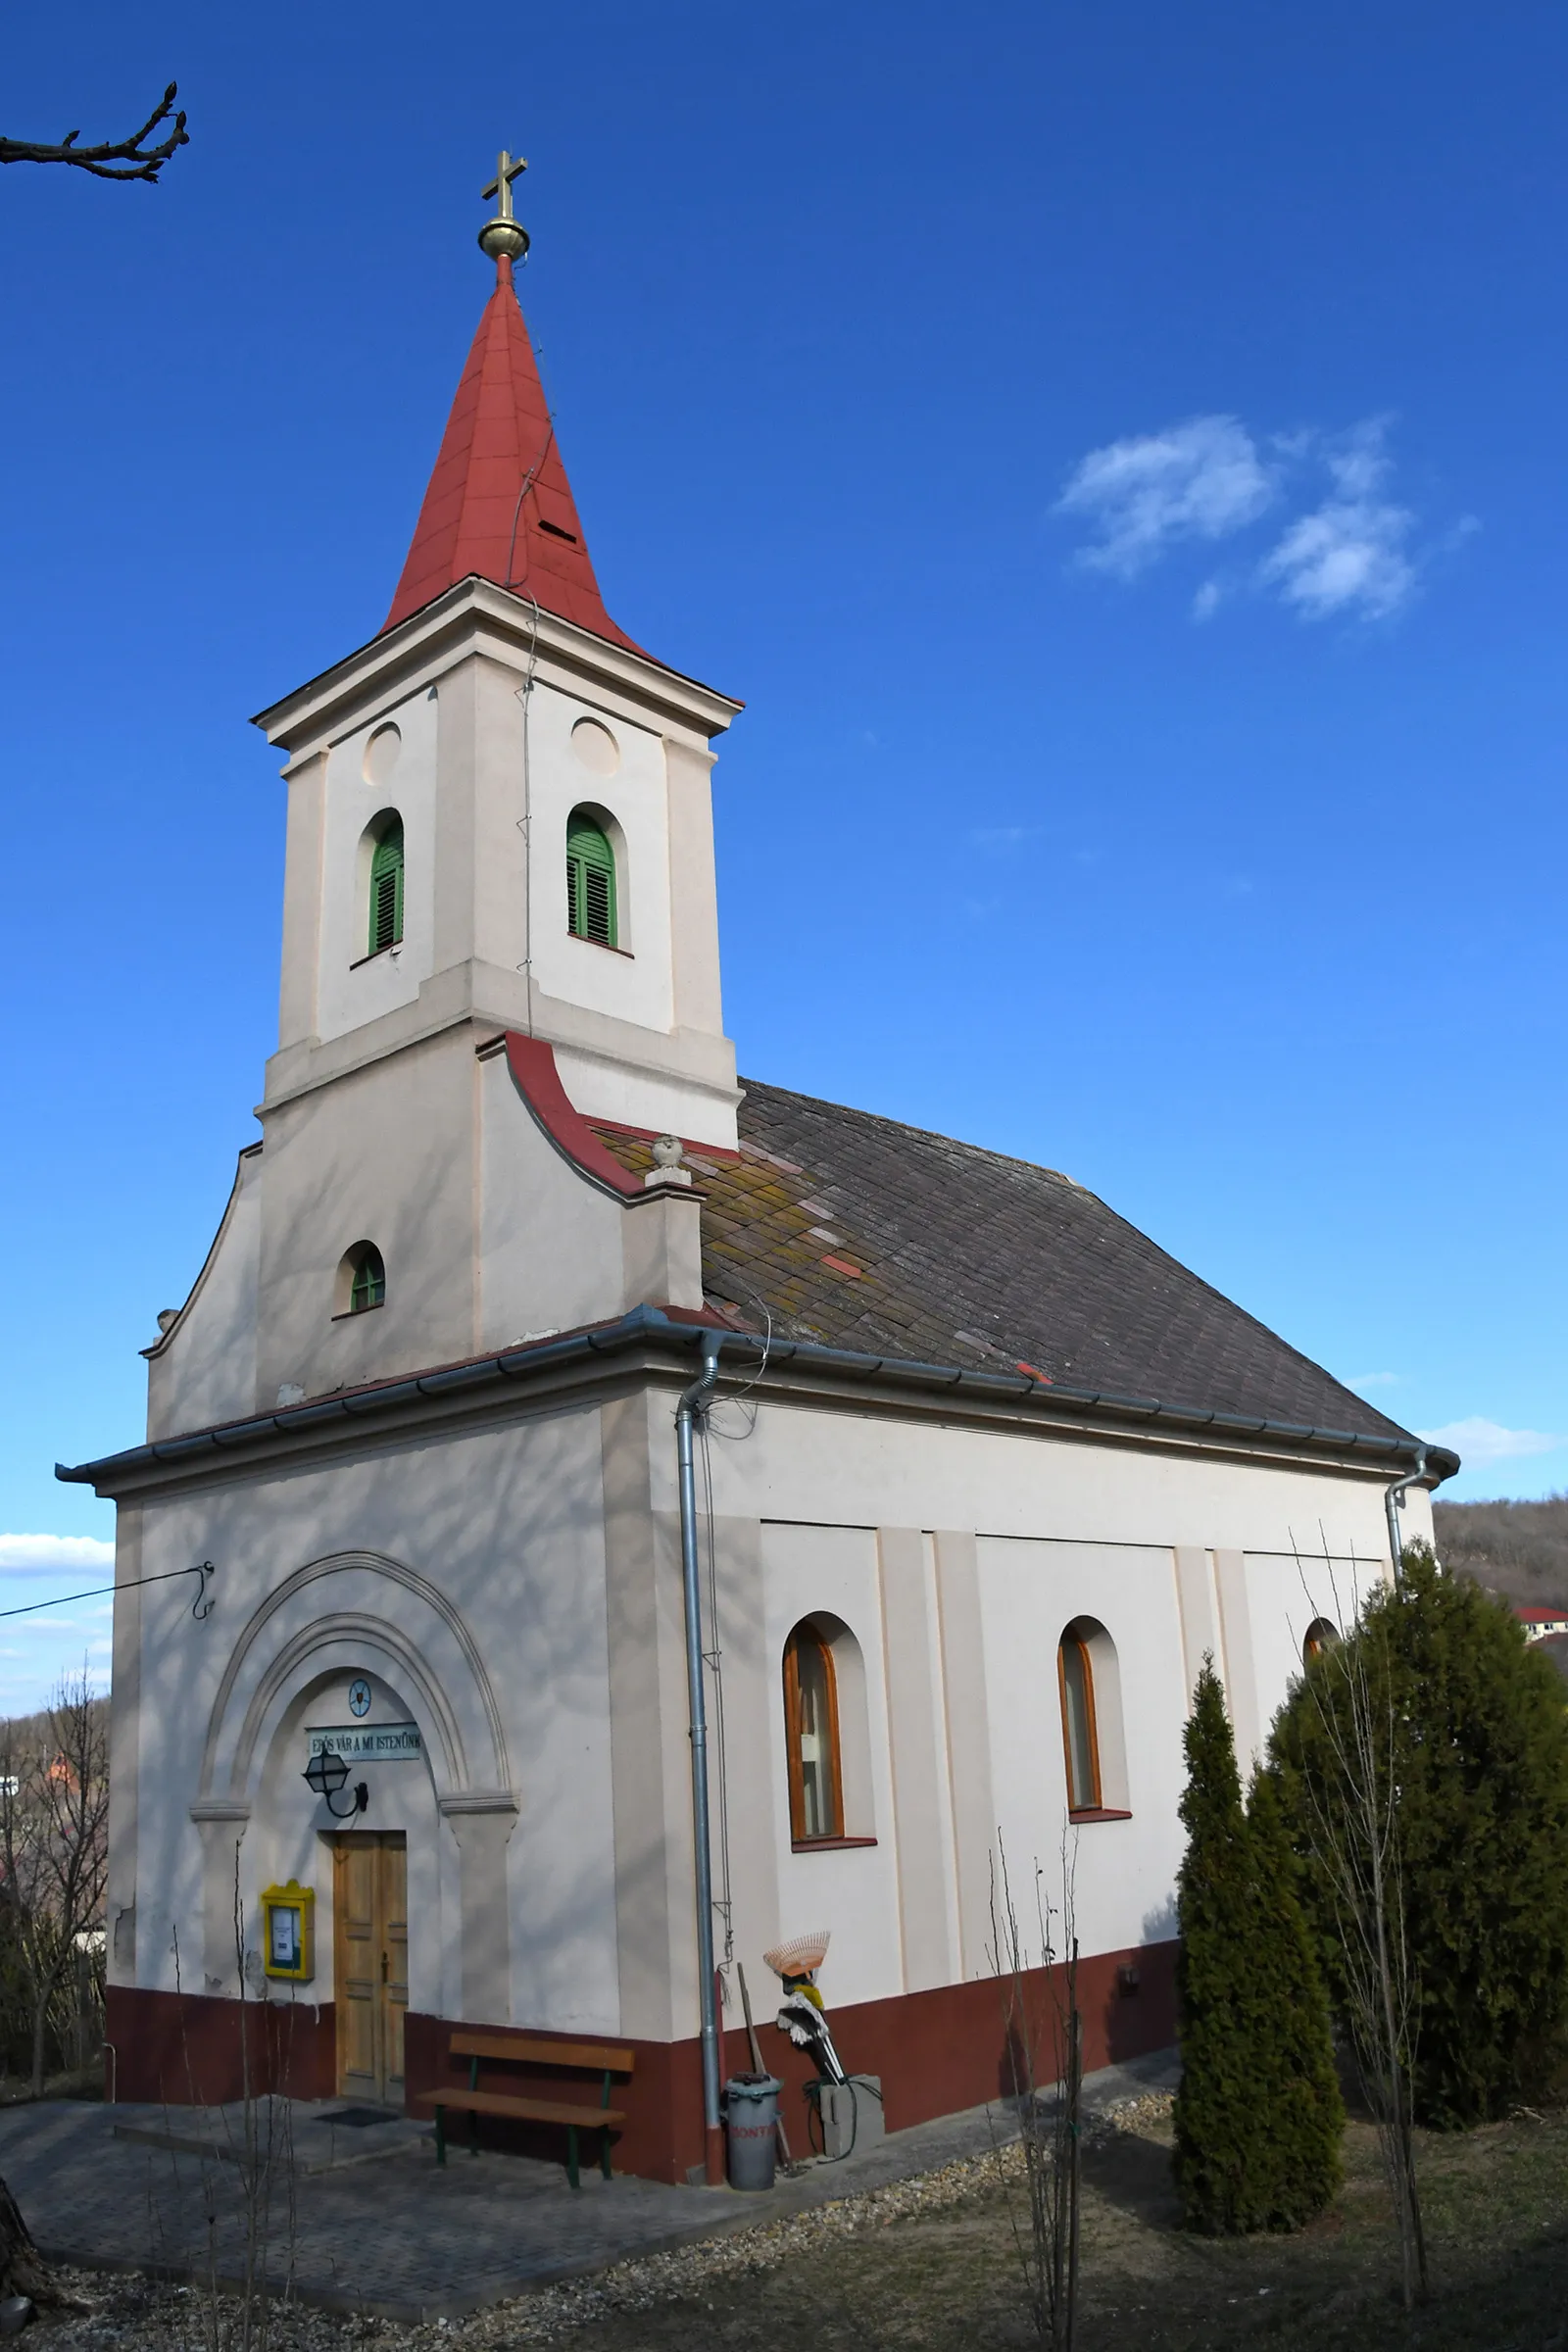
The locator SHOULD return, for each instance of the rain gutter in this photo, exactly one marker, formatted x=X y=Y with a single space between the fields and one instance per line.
x=650 y=1325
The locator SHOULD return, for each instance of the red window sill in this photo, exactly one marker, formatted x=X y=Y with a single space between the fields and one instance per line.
x=583 y=941
x=829 y=1846
x=375 y=956
x=1099 y=1813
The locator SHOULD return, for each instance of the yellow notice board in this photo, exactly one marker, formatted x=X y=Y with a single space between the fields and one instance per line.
x=288 y=1916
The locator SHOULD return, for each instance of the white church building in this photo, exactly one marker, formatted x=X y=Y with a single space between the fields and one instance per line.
x=984 y=1477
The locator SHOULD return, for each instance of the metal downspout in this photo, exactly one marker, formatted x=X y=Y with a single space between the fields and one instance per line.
x=695 y=1400
x=1392 y=1498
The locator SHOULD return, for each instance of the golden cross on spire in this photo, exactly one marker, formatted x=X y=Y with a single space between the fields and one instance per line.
x=504 y=237
x=507 y=168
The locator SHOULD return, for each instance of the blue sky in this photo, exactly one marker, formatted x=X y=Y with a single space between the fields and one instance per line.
x=1115 y=450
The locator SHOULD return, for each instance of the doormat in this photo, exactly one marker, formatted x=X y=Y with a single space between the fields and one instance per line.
x=355 y=2119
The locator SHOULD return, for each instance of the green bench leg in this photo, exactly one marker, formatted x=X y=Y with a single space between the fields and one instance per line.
x=604 y=2152
x=571 y=2156
x=473 y=2131
x=440 y=2135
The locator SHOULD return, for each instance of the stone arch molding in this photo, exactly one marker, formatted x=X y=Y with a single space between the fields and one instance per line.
x=426 y=1649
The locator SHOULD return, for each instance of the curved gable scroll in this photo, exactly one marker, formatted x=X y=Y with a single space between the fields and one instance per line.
x=426 y=1649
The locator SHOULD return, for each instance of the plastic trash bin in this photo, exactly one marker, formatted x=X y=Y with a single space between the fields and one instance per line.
x=751 y=2114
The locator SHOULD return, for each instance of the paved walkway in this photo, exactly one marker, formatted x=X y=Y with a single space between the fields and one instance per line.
x=394 y=2236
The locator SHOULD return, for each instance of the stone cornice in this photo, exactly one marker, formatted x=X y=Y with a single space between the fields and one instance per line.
x=477 y=617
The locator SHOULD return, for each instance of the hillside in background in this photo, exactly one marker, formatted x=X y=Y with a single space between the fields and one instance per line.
x=1517 y=1548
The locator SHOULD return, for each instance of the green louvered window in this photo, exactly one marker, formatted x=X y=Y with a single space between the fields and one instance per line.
x=369 y=1286
x=386 y=889
x=590 y=881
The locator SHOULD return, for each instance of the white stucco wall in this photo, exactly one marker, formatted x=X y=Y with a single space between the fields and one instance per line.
x=1064 y=1529
x=467 y=1575
x=204 y=1369
x=505 y=1527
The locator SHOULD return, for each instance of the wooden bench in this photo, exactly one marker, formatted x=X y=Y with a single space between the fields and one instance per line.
x=517 y=2050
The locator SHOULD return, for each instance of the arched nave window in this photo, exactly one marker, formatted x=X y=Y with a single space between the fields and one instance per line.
x=361 y=1279
x=812 y=1731
x=386 y=887
x=1080 y=1734
x=1321 y=1635
x=1089 y=1681
x=590 y=881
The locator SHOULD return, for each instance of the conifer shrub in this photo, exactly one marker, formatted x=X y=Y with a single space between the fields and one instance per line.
x=1476 y=1741
x=1258 y=2117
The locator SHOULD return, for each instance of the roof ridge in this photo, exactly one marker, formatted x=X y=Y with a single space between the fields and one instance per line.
x=926 y=1135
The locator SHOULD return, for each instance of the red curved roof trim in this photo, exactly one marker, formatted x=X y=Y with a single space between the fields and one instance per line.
x=532 y=1063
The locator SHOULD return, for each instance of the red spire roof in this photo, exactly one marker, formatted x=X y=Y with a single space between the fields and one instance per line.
x=499 y=502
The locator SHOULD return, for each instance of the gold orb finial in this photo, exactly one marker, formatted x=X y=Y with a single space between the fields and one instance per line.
x=505 y=239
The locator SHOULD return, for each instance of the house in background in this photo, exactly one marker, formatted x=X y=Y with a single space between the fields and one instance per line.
x=986 y=1476
x=1542 y=1624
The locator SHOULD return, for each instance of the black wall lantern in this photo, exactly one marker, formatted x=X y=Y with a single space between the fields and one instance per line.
x=327 y=1774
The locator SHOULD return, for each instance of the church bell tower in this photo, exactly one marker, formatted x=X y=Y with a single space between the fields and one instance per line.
x=499 y=827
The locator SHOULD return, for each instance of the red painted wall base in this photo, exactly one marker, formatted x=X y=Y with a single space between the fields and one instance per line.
x=188 y=2049
x=936 y=2052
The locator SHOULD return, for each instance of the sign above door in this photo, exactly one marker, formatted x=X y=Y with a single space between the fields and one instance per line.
x=367 y=1743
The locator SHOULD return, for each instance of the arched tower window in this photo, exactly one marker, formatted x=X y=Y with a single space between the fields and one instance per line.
x=361 y=1279
x=1080 y=1732
x=386 y=888
x=590 y=881
x=812 y=1729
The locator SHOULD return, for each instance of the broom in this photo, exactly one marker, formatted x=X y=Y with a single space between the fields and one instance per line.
x=756 y=2061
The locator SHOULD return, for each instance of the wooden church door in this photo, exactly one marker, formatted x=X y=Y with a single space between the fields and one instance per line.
x=370 y=1939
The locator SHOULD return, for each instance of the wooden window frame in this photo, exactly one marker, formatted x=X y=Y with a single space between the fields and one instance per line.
x=377 y=1282
x=393 y=846
x=579 y=869
x=800 y=1837
x=1094 y=1810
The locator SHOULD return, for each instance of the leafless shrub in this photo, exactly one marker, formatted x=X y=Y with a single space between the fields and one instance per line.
x=1352 y=1831
x=1045 y=2047
x=241 y=2285
x=54 y=1854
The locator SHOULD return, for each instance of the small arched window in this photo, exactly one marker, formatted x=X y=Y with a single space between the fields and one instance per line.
x=1321 y=1635
x=386 y=889
x=590 y=881
x=1079 y=1732
x=361 y=1279
x=812 y=1729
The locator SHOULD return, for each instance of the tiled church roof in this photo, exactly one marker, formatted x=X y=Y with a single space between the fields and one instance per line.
x=499 y=502
x=865 y=1234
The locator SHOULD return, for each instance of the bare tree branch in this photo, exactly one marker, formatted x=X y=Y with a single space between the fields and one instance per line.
x=110 y=158
x=1351 y=1827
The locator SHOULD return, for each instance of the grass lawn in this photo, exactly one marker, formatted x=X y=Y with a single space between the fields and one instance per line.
x=1496 y=2204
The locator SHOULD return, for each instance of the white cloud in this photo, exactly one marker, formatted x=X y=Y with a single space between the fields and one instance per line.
x=1479 y=1442
x=1374 y=1380
x=21 y=1552
x=1202 y=479
x=1348 y=550
x=1348 y=553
